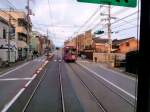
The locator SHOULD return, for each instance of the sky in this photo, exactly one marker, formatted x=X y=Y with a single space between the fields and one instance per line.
x=64 y=19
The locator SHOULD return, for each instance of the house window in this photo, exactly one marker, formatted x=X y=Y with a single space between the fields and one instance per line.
x=127 y=44
x=4 y=34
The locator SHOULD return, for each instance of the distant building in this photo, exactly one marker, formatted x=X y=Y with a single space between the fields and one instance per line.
x=125 y=45
x=88 y=40
x=5 y=28
x=71 y=42
x=100 y=45
x=35 y=42
x=80 y=42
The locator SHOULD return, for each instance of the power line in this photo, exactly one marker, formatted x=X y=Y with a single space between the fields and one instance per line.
x=6 y=12
x=88 y=20
x=129 y=22
x=11 y=4
x=127 y=28
x=125 y=17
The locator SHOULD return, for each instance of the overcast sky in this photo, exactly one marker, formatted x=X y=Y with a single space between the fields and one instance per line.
x=62 y=18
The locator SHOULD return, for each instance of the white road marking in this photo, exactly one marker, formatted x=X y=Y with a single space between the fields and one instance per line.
x=7 y=106
x=117 y=73
x=14 y=69
x=14 y=79
x=132 y=96
x=27 y=84
x=84 y=61
x=34 y=76
x=55 y=60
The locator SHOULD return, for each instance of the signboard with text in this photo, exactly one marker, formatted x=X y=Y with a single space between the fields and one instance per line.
x=125 y=3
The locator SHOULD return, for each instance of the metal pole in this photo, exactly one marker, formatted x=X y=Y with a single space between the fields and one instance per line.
x=9 y=35
x=28 y=26
x=109 y=29
x=47 y=44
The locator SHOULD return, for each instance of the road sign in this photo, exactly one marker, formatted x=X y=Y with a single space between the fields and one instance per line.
x=125 y=3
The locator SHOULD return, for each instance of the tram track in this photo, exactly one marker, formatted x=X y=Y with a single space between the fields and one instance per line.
x=93 y=92
x=111 y=89
x=98 y=102
x=60 y=103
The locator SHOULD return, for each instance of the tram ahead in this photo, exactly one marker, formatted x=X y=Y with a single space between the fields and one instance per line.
x=70 y=53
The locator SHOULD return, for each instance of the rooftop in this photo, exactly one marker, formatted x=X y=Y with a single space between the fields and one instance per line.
x=116 y=41
x=100 y=40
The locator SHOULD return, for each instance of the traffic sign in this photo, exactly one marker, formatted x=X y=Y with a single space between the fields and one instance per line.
x=125 y=3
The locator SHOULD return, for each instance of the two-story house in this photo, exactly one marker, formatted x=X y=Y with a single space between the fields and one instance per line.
x=100 y=45
x=125 y=45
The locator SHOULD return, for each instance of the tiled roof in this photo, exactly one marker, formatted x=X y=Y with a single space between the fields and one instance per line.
x=116 y=41
x=100 y=40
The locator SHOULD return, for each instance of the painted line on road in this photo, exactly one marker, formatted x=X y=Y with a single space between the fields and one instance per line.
x=15 y=79
x=132 y=96
x=34 y=76
x=27 y=84
x=83 y=61
x=117 y=73
x=14 y=69
x=7 y=106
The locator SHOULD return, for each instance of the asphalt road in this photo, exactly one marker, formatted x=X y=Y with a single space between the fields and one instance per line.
x=109 y=98
x=11 y=82
x=72 y=87
x=48 y=96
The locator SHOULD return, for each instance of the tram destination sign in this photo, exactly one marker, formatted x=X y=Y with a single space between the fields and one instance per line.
x=125 y=3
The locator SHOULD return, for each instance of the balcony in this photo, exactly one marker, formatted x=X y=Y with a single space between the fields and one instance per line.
x=21 y=30
x=22 y=37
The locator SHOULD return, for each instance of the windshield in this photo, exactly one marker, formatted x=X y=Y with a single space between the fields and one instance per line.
x=70 y=55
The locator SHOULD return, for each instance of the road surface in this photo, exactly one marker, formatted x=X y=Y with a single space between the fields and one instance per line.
x=75 y=87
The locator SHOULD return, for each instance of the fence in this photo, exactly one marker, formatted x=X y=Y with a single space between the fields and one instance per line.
x=111 y=58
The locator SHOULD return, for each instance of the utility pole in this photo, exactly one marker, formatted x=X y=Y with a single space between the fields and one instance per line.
x=47 y=42
x=109 y=29
x=28 y=27
x=9 y=35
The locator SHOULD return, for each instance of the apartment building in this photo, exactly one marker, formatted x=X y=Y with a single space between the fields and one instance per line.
x=22 y=28
x=8 y=49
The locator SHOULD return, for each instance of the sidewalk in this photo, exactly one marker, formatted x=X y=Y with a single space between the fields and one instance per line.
x=108 y=66
x=12 y=66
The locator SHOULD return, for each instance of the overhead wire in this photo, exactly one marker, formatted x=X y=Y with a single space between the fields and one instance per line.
x=11 y=4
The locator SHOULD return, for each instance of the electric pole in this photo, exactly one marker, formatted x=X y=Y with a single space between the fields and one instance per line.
x=47 y=48
x=109 y=29
x=9 y=35
x=28 y=27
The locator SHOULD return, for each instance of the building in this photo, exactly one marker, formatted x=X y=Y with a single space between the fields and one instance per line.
x=80 y=42
x=88 y=40
x=35 y=42
x=23 y=28
x=71 y=42
x=125 y=45
x=8 y=49
x=100 y=45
